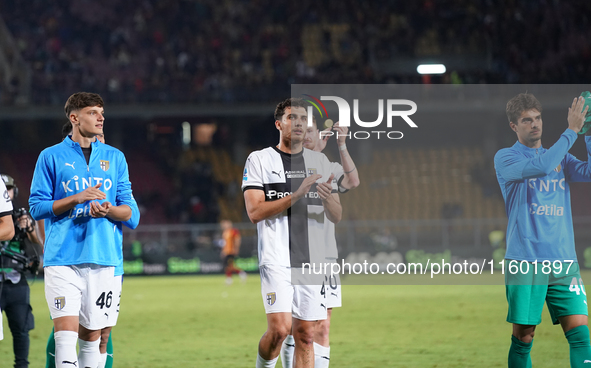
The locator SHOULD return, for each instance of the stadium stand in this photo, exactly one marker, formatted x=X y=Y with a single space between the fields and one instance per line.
x=206 y=51
x=422 y=184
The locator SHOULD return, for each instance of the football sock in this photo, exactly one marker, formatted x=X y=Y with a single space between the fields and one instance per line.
x=321 y=356
x=102 y=360
x=89 y=354
x=263 y=363
x=287 y=351
x=519 y=353
x=109 y=361
x=65 y=349
x=50 y=351
x=580 y=346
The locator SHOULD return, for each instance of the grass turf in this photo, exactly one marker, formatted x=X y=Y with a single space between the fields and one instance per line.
x=198 y=321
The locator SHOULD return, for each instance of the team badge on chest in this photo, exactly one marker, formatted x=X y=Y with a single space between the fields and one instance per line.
x=104 y=165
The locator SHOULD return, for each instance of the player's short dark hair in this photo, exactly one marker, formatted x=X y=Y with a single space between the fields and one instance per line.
x=290 y=102
x=66 y=130
x=520 y=103
x=80 y=100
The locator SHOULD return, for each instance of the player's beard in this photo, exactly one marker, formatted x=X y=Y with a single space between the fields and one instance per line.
x=535 y=138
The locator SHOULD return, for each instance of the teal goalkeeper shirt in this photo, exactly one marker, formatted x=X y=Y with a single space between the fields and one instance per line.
x=535 y=186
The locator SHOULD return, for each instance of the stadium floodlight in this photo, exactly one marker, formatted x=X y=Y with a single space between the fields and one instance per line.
x=431 y=69
x=186 y=133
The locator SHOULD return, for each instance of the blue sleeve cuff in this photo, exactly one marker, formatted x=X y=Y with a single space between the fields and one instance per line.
x=570 y=134
x=42 y=210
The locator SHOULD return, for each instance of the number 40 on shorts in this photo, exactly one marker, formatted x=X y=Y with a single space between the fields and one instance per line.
x=577 y=287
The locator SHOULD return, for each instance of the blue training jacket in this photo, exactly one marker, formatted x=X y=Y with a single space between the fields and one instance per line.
x=75 y=237
x=535 y=187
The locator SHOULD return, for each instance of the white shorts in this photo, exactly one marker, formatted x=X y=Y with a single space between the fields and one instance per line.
x=116 y=289
x=83 y=290
x=280 y=295
x=331 y=291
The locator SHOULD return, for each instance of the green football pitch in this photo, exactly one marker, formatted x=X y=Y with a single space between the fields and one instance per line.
x=198 y=321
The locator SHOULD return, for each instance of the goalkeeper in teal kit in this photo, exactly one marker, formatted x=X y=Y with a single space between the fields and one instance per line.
x=540 y=237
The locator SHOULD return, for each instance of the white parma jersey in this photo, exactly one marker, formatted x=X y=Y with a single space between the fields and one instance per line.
x=297 y=235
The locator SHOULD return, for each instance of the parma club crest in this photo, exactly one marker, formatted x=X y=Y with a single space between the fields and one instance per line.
x=271 y=297
x=558 y=168
x=104 y=165
x=59 y=302
x=312 y=171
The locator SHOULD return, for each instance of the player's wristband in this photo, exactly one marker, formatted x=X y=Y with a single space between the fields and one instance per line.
x=343 y=147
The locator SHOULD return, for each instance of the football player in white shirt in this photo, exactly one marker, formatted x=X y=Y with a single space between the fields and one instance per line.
x=346 y=177
x=290 y=226
x=6 y=225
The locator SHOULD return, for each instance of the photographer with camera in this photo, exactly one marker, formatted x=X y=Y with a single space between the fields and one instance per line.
x=17 y=256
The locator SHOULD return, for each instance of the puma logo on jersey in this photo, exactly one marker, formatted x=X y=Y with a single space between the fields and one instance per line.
x=277 y=173
x=72 y=164
x=75 y=364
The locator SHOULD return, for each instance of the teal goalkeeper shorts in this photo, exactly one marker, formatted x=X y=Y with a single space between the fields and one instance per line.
x=527 y=287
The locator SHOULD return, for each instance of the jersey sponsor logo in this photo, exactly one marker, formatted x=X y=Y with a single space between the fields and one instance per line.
x=71 y=165
x=296 y=174
x=548 y=185
x=77 y=212
x=104 y=165
x=74 y=184
x=271 y=298
x=59 y=302
x=273 y=194
x=546 y=210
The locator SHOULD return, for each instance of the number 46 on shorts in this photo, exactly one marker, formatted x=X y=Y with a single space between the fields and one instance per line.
x=107 y=300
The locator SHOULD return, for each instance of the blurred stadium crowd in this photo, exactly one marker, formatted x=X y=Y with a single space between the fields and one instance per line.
x=234 y=51
x=180 y=51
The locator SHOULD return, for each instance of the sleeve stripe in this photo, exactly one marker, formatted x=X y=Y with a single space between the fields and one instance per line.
x=252 y=187
x=2 y=214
